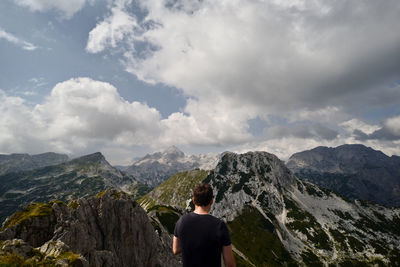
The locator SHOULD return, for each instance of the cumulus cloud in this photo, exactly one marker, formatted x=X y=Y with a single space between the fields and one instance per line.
x=66 y=8
x=321 y=61
x=79 y=114
x=390 y=130
x=17 y=41
x=355 y=124
x=119 y=26
x=211 y=123
x=316 y=131
x=393 y=125
x=274 y=56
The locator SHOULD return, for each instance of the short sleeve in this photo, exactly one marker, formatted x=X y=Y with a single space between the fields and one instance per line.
x=225 y=236
x=177 y=226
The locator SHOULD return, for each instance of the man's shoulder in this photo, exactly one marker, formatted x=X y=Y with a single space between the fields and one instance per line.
x=194 y=216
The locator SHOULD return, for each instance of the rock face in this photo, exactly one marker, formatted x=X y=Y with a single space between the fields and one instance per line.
x=155 y=168
x=26 y=162
x=84 y=176
x=276 y=219
x=355 y=171
x=105 y=230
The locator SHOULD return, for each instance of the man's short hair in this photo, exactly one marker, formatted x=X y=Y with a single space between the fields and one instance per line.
x=202 y=194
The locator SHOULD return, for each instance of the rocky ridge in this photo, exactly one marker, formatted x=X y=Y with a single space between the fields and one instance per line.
x=109 y=229
x=355 y=171
x=276 y=219
x=155 y=168
x=26 y=162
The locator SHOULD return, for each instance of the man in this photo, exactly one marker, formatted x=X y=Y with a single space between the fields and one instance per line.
x=202 y=237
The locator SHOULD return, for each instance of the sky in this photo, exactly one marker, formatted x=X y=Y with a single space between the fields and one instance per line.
x=131 y=77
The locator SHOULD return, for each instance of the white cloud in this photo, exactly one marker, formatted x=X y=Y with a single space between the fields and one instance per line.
x=355 y=124
x=393 y=125
x=211 y=123
x=280 y=58
x=319 y=60
x=66 y=8
x=17 y=41
x=287 y=146
x=119 y=26
x=80 y=114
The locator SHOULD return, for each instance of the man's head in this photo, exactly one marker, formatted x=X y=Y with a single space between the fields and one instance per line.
x=202 y=195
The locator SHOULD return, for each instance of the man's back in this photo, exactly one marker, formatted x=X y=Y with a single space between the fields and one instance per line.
x=201 y=239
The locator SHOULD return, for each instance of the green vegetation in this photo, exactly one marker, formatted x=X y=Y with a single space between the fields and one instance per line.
x=168 y=216
x=344 y=215
x=32 y=210
x=257 y=240
x=118 y=194
x=101 y=194
x=223 y=186
x=310 y=259
x=306 y=223
x=313 y=190
x=384 y=225
x=36 y=258
x=240 y=262
x=138 y=190
x=70 y=256
x=352 y=263
x=73 y=204
x=355 y=244
x=175 y=191
x=244 y=178
x=340 y=238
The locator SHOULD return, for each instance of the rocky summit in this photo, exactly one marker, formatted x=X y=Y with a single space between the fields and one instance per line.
x=276 y=219
x=355 y=171
x=84 y=176
x=109 y=229
x=155 y=168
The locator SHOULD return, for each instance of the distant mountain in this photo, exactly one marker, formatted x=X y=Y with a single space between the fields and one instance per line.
x=155 y=168
x=109 y=229
x=81 y=177
x=26 y=162
x=355 y=171
x=276 y=219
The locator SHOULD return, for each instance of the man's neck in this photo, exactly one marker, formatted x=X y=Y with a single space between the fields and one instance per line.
x=202 y=210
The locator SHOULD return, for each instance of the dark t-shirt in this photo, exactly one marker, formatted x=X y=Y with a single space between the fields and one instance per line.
x=201 y=238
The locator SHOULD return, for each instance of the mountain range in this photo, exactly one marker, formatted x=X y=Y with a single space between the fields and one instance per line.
x=155 y=168
x=26 y=162
x=84 y=176
x=355 y=171
x=276 y=219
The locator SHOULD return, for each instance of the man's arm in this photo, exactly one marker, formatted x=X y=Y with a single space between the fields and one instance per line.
x=176 y=247
x=227 y=254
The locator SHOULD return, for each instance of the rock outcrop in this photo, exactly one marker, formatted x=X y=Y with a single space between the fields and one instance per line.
x=109 y=229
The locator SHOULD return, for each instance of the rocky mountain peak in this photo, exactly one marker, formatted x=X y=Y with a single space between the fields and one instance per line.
x=253 y=177
x=173 y=151
x=355 y=171
x=90 y=159
x=109 y=229
x=155 y=168
x=257 y=164
x=341 y=159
